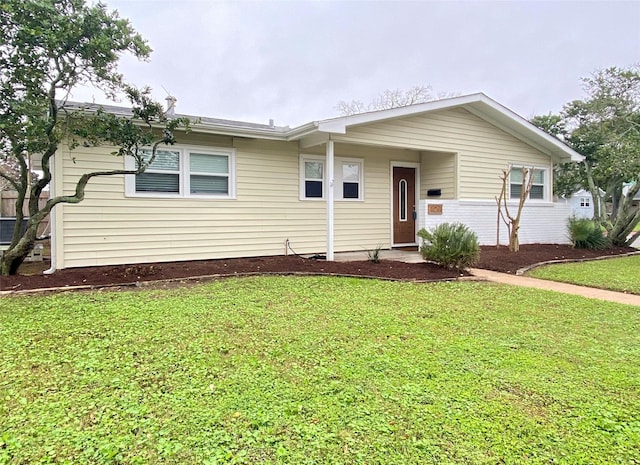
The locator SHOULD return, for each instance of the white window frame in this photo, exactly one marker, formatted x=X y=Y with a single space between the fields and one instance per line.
x=338 y=177
x=585 y=202
x=545 y=185
x=184 y=152
x=303 y=176
x=340 y=161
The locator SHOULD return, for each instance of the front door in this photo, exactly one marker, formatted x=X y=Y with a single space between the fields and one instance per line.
x=404 y=205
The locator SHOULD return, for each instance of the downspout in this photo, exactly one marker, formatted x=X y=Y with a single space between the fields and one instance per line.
x=52 y=220
x=330 y=196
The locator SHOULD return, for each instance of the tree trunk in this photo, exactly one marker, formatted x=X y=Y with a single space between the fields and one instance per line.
x=14 y=256
x=514 y=241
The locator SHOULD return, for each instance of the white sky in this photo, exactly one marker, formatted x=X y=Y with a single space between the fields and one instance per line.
x=294 y=61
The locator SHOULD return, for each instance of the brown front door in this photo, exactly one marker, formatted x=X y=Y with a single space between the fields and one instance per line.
x=404 y=205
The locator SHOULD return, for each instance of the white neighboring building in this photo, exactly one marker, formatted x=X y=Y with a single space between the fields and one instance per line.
x=581 y=203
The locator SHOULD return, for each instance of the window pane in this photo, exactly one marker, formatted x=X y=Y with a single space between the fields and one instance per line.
x=313 y=169
x=516 y=175
x=165 y=160
x=516 y=189
x=209 y=184
x=313 y=189
x=351 y=172
x=205 y=163
x=538 y=177
x=403 y=199
x=158 y=182
x=350 y=190
x=537 y=192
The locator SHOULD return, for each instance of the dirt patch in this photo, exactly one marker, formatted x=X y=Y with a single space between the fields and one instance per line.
x=500 y=259
x=490 y=258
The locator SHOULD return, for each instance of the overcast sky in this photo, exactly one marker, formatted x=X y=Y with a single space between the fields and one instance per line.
x=293 y=61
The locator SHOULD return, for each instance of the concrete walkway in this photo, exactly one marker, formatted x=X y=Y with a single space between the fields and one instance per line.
x=525 y=281
x=504 y=278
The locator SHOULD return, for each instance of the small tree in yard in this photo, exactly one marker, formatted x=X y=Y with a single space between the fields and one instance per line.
x=48 y=48
x=510 y=220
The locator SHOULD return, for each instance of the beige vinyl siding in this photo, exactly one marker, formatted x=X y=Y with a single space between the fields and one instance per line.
x=110 y=228
x=438 y=171
x=363 y=225
x=483 y=150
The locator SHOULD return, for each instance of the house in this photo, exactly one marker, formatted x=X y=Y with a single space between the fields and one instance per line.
x=233 y=189
x=581 y=203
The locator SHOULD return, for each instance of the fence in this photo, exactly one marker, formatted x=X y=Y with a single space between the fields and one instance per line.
x=8 y=201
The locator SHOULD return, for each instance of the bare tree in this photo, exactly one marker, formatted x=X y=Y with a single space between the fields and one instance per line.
x=512 y=221
x=391 y=99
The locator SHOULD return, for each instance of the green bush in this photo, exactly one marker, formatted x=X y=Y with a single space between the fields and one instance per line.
x=374 y=255
x=586 y=234
x=452 y=245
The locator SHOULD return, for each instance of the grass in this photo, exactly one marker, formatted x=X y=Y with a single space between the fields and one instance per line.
x=617 y=274
x=319 y=370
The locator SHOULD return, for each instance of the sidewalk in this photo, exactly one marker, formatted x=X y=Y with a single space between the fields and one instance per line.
x=504 y=278
x=524 y=281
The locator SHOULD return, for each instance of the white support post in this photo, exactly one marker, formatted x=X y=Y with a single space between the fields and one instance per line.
x=330 y=196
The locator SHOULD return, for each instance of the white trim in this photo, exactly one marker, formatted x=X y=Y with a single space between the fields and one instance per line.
x=546 y=186
x=478 y=104
x=330 y=196
x=400 y=210
x=316 y=133
x=484 y=202
x=337 y=177
x=53 y=216
x=404 y=164
x=302 y=177
x=184 y=173
x=339 y=162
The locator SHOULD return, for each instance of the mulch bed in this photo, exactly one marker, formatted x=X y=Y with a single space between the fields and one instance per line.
x=492 y=258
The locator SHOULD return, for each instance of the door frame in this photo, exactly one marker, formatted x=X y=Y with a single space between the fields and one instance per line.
x=404 y=164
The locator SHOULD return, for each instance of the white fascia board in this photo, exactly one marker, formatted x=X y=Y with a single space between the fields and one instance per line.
x=302 y=131
x=237 y=132
x=313 y=140
x=478 y=104
x=517 y=126
x=339 y=125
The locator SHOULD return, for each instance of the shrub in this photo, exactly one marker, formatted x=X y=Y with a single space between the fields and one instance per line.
x=452 y=245
x=374 y=255
x=586 y=234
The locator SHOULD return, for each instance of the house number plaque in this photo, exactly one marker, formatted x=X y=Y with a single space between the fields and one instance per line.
x=434 y=209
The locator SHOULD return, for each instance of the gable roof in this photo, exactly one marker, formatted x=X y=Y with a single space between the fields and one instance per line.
x=478 y=104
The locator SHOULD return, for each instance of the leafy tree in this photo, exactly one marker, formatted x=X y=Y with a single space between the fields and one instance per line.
x=48 y=48
x=605 y=128
x=390 y=99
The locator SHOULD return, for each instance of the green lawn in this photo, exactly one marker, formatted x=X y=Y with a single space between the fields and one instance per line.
x=617 y=274
x=319 y=370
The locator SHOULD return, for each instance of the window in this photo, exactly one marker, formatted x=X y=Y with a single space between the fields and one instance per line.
x=351 y=179
x=402 y=198
x=184 y=172
x=348 y=178
x=163 y=175
x=313 y=179
x=538 y=187
x=208 y=174
x=584 y=202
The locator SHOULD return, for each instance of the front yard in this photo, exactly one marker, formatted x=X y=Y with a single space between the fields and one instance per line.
x=616 y=274
x=319 y=370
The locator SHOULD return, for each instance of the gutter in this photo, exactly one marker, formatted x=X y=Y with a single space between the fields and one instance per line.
x=52 y=221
